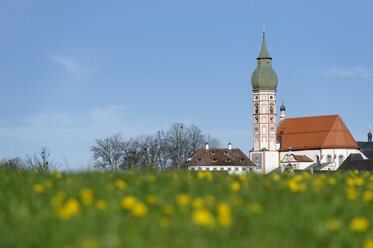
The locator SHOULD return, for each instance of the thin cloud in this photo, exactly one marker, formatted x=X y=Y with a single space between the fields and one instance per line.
x=73 y=66
x=66 y=63
x=339 y=71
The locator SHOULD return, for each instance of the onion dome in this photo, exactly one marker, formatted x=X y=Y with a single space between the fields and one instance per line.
x=369 y=137
x=264 y=77
x=282 y=107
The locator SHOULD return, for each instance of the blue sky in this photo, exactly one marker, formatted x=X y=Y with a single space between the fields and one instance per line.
x=75 y=71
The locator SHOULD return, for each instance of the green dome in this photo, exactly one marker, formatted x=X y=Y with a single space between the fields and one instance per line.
x=264 y=77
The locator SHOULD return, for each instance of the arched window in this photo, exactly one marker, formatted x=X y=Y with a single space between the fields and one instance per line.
x=317 y=159
x=256 y=119
x=256 y=110
x=329 y=159
x=271 y=109
x=340 y=159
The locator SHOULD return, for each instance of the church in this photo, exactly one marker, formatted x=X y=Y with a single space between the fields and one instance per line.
x=304 y=143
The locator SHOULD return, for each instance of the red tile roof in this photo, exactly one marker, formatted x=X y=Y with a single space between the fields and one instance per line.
x=302 y=158
x=317 y=132
x=219 y=156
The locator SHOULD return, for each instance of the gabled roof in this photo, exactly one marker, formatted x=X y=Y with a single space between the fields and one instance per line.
x=356 y=162
x=219 y=156
x=302 y=158
x=297 y=158
x=317 y=132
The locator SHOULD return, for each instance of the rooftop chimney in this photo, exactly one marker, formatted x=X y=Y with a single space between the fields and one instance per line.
x=207 y=146
x=229 y=146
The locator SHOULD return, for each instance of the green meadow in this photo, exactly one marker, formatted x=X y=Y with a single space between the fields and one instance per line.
x=182 y=209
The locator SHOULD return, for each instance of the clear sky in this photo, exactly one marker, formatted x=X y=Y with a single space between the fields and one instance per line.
x=74 y=71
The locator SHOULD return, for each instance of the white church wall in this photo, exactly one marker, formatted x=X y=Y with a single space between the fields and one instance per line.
x=271 y=161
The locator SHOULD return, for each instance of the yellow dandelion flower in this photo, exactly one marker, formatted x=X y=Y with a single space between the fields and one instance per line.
x=151 y=178
x=242 y=177
x=332 y=181
x=58 y=175
x=333 y=224
x=128 y=202
x=90 y=243
x=359 y=224
x=69 y=180
x=351 y=193
x=58 y=199
x=200 y=175
x=368 y=196
x=255 y=208
x=110 y=186
x=175 y=176
x=359 y=181
x=276 y=177
x=121 y=184
x=70 y=209
x=86 y=195
x=38 y=188
x=224 y=215
x=356 y=171
x=139 y=209
x=35 y=171
x=197 y=202
x=235 y=186
x=101 y=205
x=368 y=244
x=152 y=199
x=164 y=222
x=183 y=199
x=48 y=184
x=168 y=210
x=203 y=218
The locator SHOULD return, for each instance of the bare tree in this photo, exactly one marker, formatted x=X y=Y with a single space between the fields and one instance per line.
x=162 y=150
x=40 y=161
x=177 y=142
x=13 y=163
x=109 y=152
x=212 y=141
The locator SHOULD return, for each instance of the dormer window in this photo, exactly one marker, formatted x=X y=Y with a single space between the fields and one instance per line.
x=242 y=160
x=228 y=160
x=214 y=160
x=225 y=153
x=199 y=159
x=212 y=153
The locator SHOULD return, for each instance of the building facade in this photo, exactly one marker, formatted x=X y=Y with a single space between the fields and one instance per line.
x=231 y=160
x=321 y=142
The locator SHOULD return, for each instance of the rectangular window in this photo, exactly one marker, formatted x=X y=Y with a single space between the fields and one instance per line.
x=207 y=169
x=229 y=169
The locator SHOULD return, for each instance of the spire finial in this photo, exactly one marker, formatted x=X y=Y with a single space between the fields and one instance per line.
x=263 y=29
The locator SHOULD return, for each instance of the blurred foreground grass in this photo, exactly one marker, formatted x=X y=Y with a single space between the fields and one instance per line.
x=181 y=209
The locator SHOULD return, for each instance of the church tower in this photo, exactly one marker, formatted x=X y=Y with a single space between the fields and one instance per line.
x=264 y=83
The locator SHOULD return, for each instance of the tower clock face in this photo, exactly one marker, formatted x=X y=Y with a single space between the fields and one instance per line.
x=272 y=128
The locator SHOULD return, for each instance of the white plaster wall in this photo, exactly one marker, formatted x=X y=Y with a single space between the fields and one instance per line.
x=271 y=161
x=233 y=169
x=324 y=153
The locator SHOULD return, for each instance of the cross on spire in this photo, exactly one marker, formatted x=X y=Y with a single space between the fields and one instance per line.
x=263 y=29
